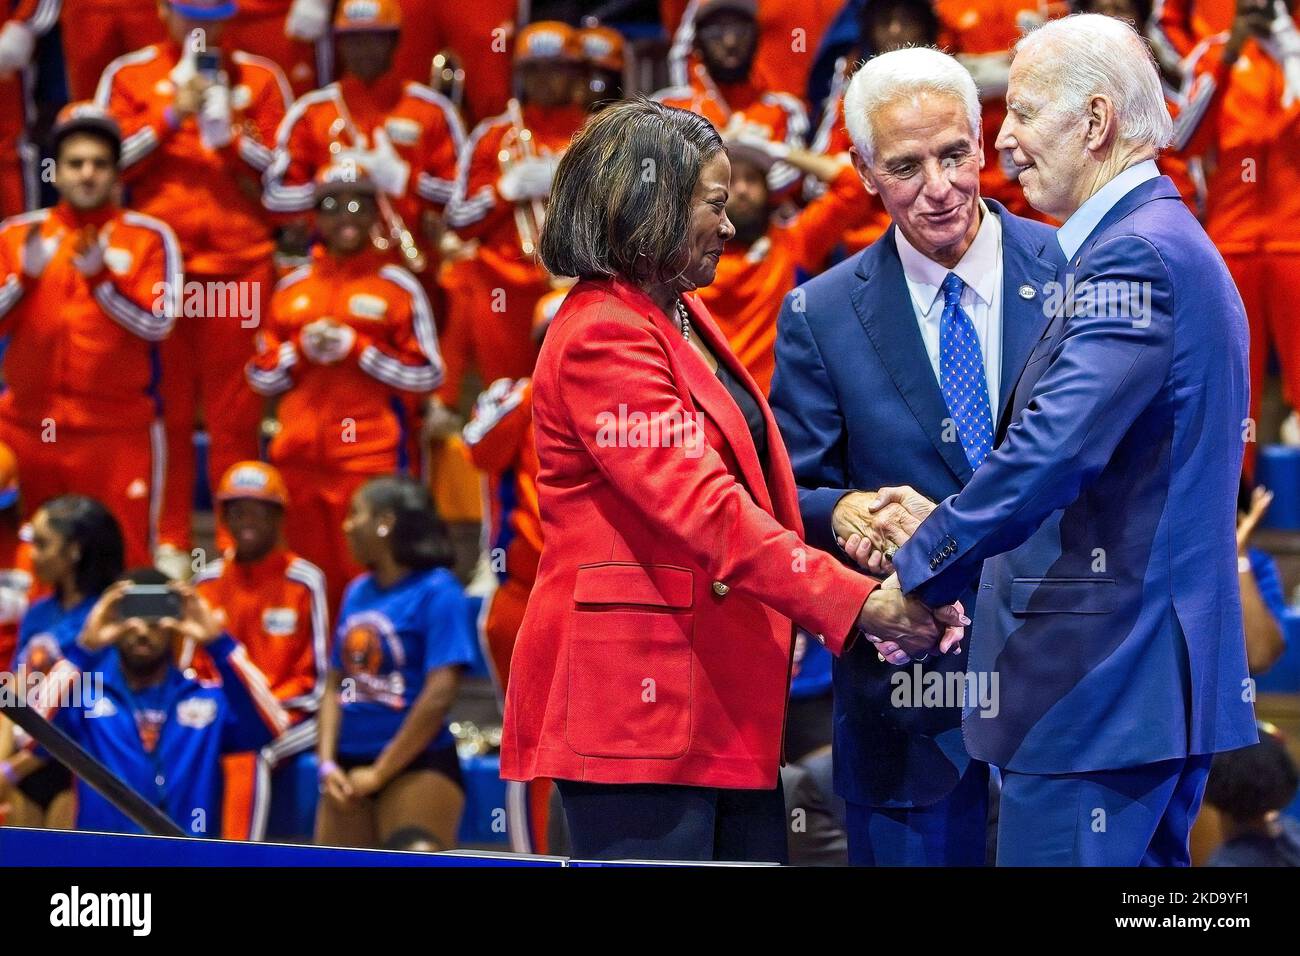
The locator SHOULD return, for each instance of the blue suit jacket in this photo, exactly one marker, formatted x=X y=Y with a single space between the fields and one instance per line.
x=859 y=407
x=1105 y=518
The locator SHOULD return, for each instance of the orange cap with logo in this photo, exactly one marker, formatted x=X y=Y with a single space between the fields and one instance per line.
x=356 y=16
x=253 y=479
x=547 y=40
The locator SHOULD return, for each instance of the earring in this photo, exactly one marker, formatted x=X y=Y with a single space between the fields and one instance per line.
x=382 y=531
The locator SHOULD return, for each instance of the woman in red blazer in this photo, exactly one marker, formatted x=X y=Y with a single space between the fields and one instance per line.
x=651 y=672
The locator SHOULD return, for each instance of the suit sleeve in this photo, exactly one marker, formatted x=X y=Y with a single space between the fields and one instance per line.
x=254 y=717
x=1112 y=360
x=692 y=500
x=811 y=423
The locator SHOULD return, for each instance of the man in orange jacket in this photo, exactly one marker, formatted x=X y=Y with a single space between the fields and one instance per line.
x=1242 y=116
x=406 y=135
x=497 y=290
x=26 y=21
x=88 y=289
x=272 y=602
x=725 y=89
x=199 y=122
x=350 y=337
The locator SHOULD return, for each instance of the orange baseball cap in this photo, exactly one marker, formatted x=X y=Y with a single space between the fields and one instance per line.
x=356 y=16
x=547 y=40
x=8 y=476
x=253 y=479
x=602 y=47
x=345 y=177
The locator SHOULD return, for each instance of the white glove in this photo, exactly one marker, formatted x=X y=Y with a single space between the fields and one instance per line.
x=90 y=261
x=307 y=20
x=528 y=179
x=37 y=251
x=17 y=41
x=1287 y=39
x=326 y=341
x=388 y=171
x=215 y=130
x=13 y=604
x=756 y=139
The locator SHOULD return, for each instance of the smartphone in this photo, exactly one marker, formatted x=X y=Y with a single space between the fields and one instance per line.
x=149 y=601
x=208 y=64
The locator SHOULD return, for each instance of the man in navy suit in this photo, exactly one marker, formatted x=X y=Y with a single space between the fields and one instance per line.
x=874 y=383
x=1102 y=525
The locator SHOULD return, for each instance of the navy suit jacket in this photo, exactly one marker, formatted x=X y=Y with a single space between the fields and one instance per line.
x=1103 y=524
x=859 y=407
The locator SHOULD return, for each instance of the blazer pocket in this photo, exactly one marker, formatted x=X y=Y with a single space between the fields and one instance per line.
x=631 y=668
x=1063 y=595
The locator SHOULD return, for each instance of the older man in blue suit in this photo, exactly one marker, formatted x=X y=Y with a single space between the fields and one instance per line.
x=893 y=367
x=1103 y=523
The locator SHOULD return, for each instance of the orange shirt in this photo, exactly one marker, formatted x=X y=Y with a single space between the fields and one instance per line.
x=831 y=139
x=1185 y=23
x=1234 y=119
x=80 y=350
x=479 y=211
x=276 y=609
x=347 y=415
x=747 y=290
x=422 y=125
x=211 y=197
x=780 y=114
x=499 y=437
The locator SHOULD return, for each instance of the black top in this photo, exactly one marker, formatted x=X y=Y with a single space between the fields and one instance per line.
x=750 y=408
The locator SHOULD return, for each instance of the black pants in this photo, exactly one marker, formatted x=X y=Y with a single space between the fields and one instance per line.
x=665 y=822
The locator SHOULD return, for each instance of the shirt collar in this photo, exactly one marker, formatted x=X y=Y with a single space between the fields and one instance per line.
x=977 y=268
x=1072 y=235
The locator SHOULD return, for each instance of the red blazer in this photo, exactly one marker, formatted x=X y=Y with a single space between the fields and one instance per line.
x=657 y=643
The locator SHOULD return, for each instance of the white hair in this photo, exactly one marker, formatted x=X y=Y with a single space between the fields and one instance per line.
x=1093 y=55
x=892 y=76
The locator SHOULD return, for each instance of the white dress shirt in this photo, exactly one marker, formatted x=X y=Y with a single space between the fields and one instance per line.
x=1075 y=230
x=981 y=269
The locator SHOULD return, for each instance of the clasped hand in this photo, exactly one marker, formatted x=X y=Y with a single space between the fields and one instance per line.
x=870 y=528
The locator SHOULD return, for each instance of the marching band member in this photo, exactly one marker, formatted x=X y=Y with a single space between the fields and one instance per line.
x=602 y=54
x=724 y=89
x=505 y=177
x=273 y=603
x=349 y=336
x=198 y=125
x=27 y=20
x=406 y=136
x=88 y=291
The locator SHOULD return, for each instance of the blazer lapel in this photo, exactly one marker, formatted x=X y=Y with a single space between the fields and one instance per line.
x=1028 y=267
x=884 y=308
x=712 y=396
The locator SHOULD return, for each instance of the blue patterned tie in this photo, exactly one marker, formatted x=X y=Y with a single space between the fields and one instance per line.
x=961 y=375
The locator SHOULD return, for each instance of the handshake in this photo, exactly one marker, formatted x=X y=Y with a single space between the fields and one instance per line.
x=870 y=527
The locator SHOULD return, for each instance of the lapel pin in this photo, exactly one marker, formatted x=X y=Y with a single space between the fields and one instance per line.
x=1027 y=292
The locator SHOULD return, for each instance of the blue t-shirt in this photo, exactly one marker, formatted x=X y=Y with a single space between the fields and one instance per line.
x=48 y=629
x=386 y=642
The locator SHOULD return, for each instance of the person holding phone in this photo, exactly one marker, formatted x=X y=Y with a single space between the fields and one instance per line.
x=76 y=550
x=387 y=757
x=161 y=732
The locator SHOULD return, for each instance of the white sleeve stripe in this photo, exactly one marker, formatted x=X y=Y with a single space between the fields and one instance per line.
x=435 y=189
x=422 y=322
x=46 y=15
x=489 y=413
x=139 y=145
x=254 y=153
x=308 y=574
x=276 y=380
x=130 y=316
x=409 y=378
x=10 y=293
x=1193 y=113
x=172 y=263
x=255 y=681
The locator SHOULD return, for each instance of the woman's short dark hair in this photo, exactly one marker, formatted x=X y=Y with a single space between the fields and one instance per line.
x=1246 y=784
x=621 y=200
x=93 y=527
x=419 y=538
